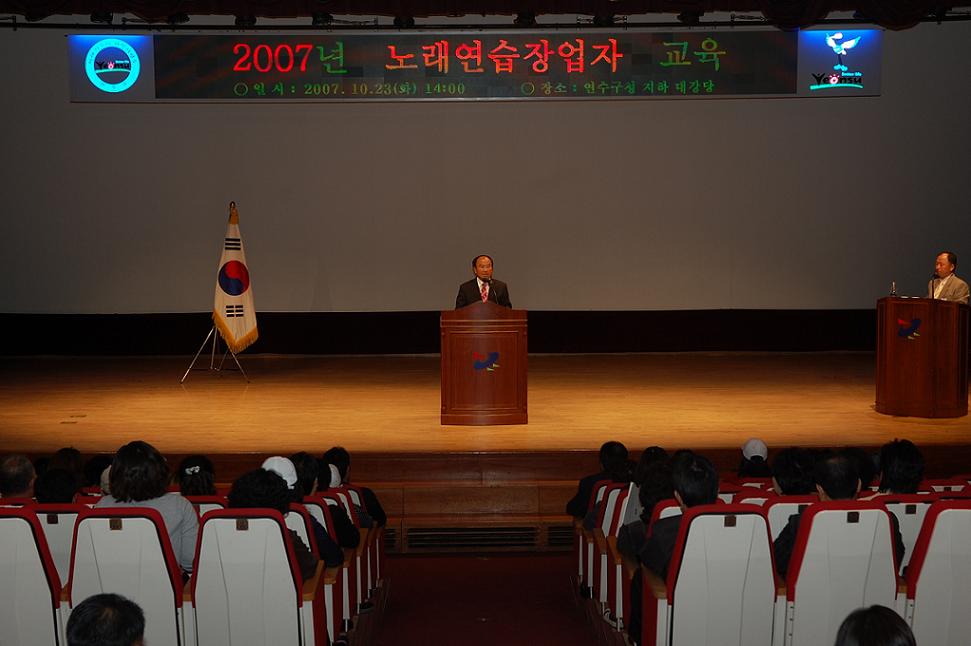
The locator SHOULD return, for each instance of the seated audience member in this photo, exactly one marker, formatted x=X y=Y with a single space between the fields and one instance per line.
x=93 y=469
x=340 y=458
x=69 y=459
x=287 y=469
x=754 y=455
x=836 y=479
x=655 y=487
x=649 y=457
x=106 y=481
x=613 y=456
x=140 y=478
x=874 y=626
x=265 y=489
x=792 y=472
x=695 y=482
x=56 y=486
x=622 y=474
x=106 y=620
x=16 y=477
x=901 y=467
x=864 y=465
x=197 y=476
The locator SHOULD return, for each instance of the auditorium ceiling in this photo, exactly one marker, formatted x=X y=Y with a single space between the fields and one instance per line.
x=892 y=14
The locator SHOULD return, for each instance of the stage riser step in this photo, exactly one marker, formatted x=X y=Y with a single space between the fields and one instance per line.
x=498 y=538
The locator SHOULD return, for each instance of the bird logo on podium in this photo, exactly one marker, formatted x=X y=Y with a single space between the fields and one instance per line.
x=485 y=362
x=908 y=329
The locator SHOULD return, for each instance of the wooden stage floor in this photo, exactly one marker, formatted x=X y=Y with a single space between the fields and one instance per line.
x=390 y=404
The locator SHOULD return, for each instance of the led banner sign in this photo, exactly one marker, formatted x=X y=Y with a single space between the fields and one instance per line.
x=520 y=65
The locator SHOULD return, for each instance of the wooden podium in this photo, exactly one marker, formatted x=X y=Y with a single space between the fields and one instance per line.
x=922 y=357
x=483 y=365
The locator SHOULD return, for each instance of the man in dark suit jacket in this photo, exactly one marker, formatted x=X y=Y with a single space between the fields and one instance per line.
x=472 y=291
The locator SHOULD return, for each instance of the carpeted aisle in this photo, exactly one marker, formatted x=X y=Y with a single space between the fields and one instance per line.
x=460 y=600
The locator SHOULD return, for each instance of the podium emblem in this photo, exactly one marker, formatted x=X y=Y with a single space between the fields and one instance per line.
x=908 y=329
x=483 y=362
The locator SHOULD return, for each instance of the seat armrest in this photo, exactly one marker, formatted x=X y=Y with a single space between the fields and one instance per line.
x=331 y=575
x=630 y=566
x=780 y=585
x=600 y=539
x=349 y=553
x=311 y=585
x=187 y=592
x=901 y=585
x=654 y=583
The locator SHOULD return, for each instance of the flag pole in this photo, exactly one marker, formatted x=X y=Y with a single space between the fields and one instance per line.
x=233 y=314
x=212 y=357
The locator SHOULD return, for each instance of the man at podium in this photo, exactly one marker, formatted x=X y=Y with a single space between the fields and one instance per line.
x=945 y=285
x=484 y=288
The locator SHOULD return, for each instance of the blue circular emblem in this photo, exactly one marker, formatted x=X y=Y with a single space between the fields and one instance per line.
x=112 y=73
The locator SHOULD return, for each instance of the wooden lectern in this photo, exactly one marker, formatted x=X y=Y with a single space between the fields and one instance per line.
x=922 y=357
x=483 y=365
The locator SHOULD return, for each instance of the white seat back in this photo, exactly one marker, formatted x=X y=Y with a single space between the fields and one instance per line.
x=612 y=499
x=296 y=521
x=780 y=509
x=910 y=517
x=58 y=525
x=126 y=555
x=847 y=563
x=28 y=614
x=939 y=587
x=725 y=589
x=244 y=591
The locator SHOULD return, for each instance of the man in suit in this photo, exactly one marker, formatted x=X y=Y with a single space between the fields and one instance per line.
x=946 y=286
x=482 y=287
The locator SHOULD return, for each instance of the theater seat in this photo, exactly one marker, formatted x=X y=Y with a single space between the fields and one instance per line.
x=721 y=585
x=246 y=587
x=842 y=560
x=605 y=581
x=126 y=551
x=939 y=576
x=30 y=591
x=205 y=504
x=334 y=585
x=779 y=509
x=910 y=510
x=57 y=520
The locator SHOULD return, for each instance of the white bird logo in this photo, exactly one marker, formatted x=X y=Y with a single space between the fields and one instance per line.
x=840 y=48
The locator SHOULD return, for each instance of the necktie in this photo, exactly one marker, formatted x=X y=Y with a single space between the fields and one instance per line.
x=485 y=292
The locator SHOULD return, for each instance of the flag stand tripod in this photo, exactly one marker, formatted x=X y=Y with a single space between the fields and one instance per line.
x=212 y=357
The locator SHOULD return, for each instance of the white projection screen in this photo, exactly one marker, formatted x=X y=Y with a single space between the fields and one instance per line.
x=585 y=205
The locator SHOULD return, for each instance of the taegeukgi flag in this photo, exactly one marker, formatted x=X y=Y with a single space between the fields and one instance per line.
x=233 y=312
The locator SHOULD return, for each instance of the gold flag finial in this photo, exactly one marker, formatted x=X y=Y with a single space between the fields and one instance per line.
x=233 y=215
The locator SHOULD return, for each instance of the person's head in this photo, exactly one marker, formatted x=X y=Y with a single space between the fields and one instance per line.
x=197 y=476
x=901 y=467
x=106 y=620
x=307 y=472
x=792 y=472
x=753 y=464
x=945 y=264
x=482 y=267
x=284 y=468
x=864 y=464
x=874 y=626
x=56 y=485
x=656 y=486
x=138 y=473
x=695 y=480
x=69 y=459
x=260 y=488
x=837 y=478
x=16 y=477
x=94 y=467
x=612 y=456
x=652 y=455
x=340 y=458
